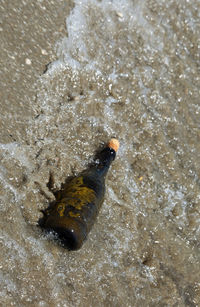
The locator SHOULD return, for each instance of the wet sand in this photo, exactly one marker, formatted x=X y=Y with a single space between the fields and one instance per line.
x=29 y=32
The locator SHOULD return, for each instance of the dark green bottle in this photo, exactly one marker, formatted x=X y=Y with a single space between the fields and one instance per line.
x=77 y=204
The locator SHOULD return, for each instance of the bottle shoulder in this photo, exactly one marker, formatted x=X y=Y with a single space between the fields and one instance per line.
x=94 y=182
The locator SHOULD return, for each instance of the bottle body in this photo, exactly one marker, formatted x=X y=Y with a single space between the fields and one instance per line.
x=77 y=204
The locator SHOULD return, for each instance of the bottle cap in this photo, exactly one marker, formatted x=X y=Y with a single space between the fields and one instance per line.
x=114 y=144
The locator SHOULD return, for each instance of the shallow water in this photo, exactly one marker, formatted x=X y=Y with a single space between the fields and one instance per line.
x=127 y=69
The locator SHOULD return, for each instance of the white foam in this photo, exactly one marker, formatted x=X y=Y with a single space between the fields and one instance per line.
x=16 y=151
x=74 y=51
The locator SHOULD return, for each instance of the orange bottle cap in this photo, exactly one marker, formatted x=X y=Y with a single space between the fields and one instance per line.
x=114 y=144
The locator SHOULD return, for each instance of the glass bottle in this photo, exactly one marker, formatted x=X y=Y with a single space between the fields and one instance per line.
x=77 y=204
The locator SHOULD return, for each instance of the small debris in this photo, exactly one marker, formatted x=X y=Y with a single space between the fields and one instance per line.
x=44 y=52
x=28 y=61
x=140 y=178
x=119 y=14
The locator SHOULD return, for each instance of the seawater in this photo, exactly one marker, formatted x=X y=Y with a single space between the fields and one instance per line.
x=127 y=69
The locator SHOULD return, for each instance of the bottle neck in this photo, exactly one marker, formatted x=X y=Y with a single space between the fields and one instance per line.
x=103 y=161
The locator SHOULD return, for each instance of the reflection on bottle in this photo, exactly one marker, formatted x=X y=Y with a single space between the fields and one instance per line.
x=77 y=204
